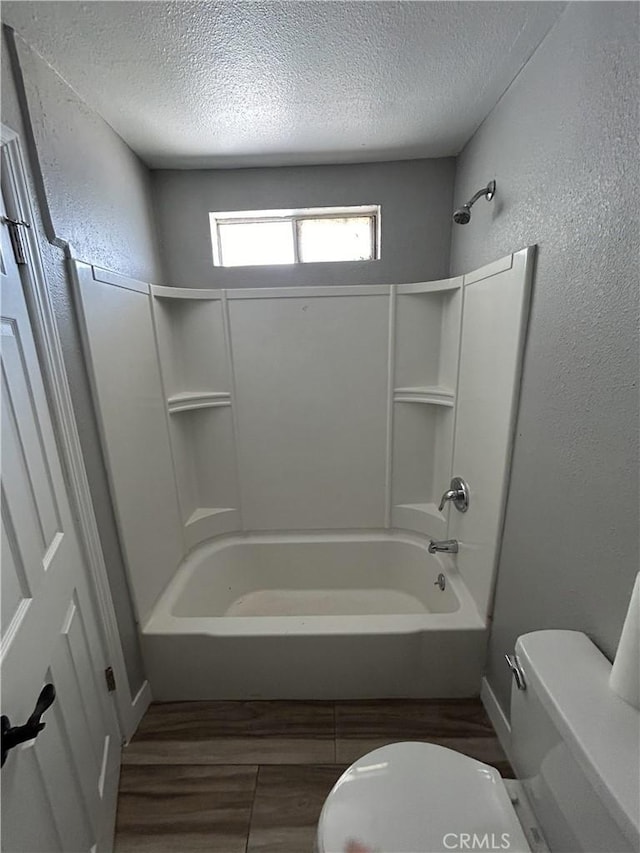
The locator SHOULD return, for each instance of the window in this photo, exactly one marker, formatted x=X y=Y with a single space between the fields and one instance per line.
x=311 y=235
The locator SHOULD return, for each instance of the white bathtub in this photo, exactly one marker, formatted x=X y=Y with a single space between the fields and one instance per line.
x=319 y=615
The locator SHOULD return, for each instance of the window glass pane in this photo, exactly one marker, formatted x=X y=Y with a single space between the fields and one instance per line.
x=256 y=243
x=340 y=239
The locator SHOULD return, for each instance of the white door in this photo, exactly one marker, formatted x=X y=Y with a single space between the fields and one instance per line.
x=58 y=791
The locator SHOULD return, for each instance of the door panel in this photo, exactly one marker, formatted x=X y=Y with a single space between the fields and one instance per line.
x=14 y=593
x=28 y=825
x=59 y=791
x=28 y=440
x=62 y=782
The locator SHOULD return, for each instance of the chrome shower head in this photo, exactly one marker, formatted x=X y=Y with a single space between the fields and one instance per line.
x=462 y=215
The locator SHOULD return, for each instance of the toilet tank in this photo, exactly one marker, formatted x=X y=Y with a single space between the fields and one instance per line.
x=575 y=745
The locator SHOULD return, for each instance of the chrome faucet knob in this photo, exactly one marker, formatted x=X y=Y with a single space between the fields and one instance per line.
x=458 y=493
x=449 y=495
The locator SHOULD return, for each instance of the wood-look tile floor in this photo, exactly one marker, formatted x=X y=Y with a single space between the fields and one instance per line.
x=251 y=777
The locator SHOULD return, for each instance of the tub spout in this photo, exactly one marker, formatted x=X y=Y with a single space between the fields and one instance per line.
x=445 y=546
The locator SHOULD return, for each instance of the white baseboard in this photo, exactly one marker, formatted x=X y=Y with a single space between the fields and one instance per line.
x=139 y=706
x=497 y=716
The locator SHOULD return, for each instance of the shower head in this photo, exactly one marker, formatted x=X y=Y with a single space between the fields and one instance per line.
x=462 y=215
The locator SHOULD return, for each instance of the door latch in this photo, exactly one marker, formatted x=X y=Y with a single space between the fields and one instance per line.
x=14 y=226
x=110 y=678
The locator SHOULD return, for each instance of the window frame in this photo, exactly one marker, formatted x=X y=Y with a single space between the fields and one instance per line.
x=293 y=216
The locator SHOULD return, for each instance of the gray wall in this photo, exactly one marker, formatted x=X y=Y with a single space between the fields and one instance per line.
x=94 y=192
x=562 y=145
x=415 y=195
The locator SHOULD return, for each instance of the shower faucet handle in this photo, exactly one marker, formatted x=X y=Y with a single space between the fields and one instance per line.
x=458 y=493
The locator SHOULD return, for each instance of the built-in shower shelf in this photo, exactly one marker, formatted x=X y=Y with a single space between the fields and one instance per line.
x=207 y=512
x=434 y=395
x=187 y=401
x=207 y=521
x=427 y=509
x=163 y=292
x=424 y=517
x=447 y=284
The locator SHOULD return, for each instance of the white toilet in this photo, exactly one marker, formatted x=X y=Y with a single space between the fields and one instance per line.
x=575 y=749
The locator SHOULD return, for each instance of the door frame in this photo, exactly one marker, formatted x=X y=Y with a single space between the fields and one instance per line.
x=129 y=708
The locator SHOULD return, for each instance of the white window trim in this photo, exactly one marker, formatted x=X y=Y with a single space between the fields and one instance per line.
x=217 y=218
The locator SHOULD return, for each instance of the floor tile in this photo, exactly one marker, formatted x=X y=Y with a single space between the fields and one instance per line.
x=184 y=809
x=287 y=807
x=459 y=724
x=486 y=749
x=234 y=733
x=409 y=719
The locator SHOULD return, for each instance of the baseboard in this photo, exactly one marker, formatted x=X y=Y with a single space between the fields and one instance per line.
x=497 y=716
x=140 y=703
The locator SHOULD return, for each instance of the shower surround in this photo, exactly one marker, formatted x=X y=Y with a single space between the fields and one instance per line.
x=276 y=459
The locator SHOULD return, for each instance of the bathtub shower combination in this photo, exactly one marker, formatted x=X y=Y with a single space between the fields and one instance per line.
x=277 y=459
x=313 y=616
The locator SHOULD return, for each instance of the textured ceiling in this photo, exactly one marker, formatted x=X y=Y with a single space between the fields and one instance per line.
x=191 y=84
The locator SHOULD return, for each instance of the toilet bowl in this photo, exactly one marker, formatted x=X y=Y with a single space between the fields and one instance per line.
x=573 y=744
x=419 y=798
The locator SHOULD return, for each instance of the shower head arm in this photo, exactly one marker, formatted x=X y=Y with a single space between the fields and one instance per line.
x=488 y=191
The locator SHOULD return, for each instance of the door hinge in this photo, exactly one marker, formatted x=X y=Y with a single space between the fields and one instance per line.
x=110 y=678
x=14 y=226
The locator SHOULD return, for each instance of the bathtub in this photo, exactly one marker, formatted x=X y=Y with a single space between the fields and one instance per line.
x=318 y=615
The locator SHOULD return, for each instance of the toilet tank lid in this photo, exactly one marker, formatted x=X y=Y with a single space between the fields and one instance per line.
x=570 y=676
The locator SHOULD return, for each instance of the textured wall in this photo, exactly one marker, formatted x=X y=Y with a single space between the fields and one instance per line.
x=415 y=195
x=96 y=190
x=69 y=138
x=562 y=145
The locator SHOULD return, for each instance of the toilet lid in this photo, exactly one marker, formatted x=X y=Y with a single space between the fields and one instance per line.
x=419 y=798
